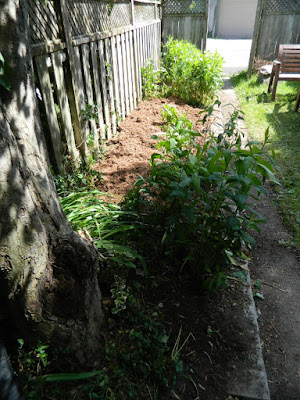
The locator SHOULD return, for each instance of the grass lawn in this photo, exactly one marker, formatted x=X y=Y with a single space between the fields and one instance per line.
x=284 y=123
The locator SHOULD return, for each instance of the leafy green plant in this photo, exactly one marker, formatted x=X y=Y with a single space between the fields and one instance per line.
x=152 y=82
x=31 y=365
x=140 y=355
x=105 y=223
x=119 y=293
x=199 y=194
x=96 y=150
x=192 y=75
x=136 y=356
x=77 y=179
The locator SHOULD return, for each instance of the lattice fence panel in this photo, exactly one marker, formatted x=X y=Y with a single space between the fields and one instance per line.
x=144 y=12
x=282 y=6
x=183 y=7
x=43 y=21
x=90 y=16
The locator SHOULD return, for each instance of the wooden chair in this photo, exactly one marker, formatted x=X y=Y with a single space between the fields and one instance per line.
x=286 y=68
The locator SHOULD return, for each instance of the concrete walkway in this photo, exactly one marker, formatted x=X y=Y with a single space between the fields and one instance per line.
x=249 y=379
x=236 y=53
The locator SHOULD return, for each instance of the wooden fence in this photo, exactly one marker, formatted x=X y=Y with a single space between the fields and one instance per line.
x=187 y=20
x=88 y=56
x=277 y=22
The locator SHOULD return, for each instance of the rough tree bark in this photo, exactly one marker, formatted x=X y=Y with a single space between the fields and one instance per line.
x=47 y=271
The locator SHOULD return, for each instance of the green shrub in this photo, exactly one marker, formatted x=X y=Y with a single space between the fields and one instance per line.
x=199 y=195
x=192 y=75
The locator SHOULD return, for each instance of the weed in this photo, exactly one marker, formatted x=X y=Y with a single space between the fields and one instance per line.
x=77 y=179
x=31 y=365
x=136 y=356
x=152 y=81
x=119 y=294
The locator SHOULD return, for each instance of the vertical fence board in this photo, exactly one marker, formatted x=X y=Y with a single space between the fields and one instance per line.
x=89 y=90
x=111 y=95
x=114 y=61
x=151 y=37
x=147 y=42
x=158 y=44
x=129 y=71
x=46 y=88
x=104 y=88
x=86 y=79
x=64 y=104
x=145 y=47
x=80 y=98
x=276 y=23
x=136 y=63
x=97 y=87
x=121 y=79
x=125 y=74
x=133 y=69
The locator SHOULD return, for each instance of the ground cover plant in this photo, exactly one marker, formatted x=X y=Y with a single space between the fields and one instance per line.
x=284 y=131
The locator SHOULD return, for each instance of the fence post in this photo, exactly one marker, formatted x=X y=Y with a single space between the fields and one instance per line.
x=135 y=55
x=256 y=33
x=205 y=26
x=132 y=12
x=77 y=100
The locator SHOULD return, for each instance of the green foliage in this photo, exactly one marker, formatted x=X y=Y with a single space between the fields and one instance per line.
x=31 y=365
x=152 y=81
x=192 y=75
x=106 y=223
x=188 y=74
x=96 y=151
x=77 y=179
x=198 y=194
x=119 y=293
x=136 y=356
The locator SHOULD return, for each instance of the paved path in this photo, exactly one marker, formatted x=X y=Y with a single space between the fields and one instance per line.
x=249 y=379
x=277 y=267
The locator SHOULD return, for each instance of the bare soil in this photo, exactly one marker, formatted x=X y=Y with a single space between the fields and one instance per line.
x=127 y=155
x=276 y=265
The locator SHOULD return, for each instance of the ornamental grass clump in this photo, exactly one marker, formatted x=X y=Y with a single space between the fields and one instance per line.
x=192 y=75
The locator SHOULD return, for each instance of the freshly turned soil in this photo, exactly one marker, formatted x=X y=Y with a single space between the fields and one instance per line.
x=128 y=154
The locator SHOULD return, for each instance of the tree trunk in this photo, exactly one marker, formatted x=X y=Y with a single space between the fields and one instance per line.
x=48 y=272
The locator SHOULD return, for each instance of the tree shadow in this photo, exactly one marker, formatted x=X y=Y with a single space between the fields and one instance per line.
x=30 y=212
x=286 y=124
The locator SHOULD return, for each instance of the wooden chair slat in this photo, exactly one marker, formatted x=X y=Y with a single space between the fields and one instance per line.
x=285 y=68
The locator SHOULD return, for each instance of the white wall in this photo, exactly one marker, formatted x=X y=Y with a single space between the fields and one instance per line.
x=235 y=19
